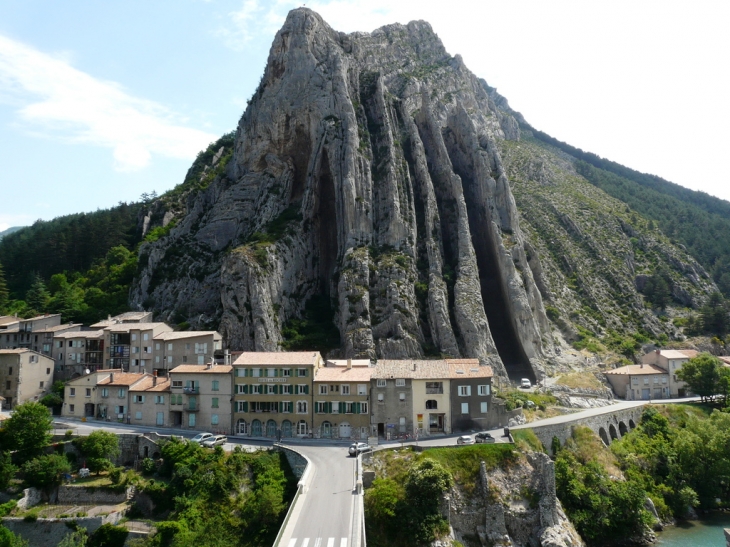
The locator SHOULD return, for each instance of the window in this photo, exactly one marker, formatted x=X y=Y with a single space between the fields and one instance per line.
x=381 y=397
x=302 y=372
x=105 y=392
x=363 y=408
x=646 y=381
x=48 y=371
x=138 y=398
x=88 y=392
x=402 y=397
x=286 y=372
x=157 y=358
x=349 y=408
x=122 y=392
x=320 y=407
x=135 y=350
x=286 y=389
x=271 y=389
x=400 y=382
x=148 y=349
x=214 y=402
x=159 y=399
x=146 y=336
x=362 y=389
x=191 y=419
x=134 y=337
x=287 y=407
x=215 y=387
x=484 y=390
x=434 y=388
x=214 y=419
x=335 y=409
x=656 y=379
x=177 y=383
x=432 y=405
x=323 y=389
x=71 y=391
x=345 y=389
x=271 y=372
x=138 y=415
x=169 y=347
x=241 y=406
x=302 y=389
x=185 y=359
x=664 y=379
x=71 y=408
x=402 y=424
x=483 y=407
x=465 y=408
x=381 y=383
x=10 y=371
x=301 y=407
x=255 y=372
x=464 y=391
x=187 y=345
x=256 y=389
x=240 y=388
x=157 y=346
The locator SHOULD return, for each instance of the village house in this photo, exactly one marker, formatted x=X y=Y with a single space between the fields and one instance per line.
x=342 y=399
x=172 y=348
x=129 y=346
x=671 y=360
x=273 y=393
x=103 y=395
x=200 y=397
x=25 y=375
x=639 y=382
x=471 y=396
x=35 y=333
x=78 y=352
x=150 y=401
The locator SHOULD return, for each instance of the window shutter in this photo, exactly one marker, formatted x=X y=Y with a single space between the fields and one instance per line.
x=328 y=408
x=245 y=406
x=276 y=372
x=306 y=390
x=341 y=408
x=245 y=388
x=357 y=408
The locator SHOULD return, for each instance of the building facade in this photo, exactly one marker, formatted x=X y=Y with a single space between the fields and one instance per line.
x=274 y=393
x=671 y=360
x=200 y=397
x=639 y=382
x=471 y=395
x=130 y=346
x=77 y=352
x=25 y=375
x=342 y=400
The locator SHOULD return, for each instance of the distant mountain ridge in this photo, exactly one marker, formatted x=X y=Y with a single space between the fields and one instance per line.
x=10 y=230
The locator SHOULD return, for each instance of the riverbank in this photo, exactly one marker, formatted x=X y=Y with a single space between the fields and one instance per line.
x=706 y=532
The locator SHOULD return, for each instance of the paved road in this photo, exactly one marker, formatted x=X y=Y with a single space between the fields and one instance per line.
x=324 y=515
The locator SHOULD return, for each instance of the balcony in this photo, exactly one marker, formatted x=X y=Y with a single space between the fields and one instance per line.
x=192 y=409
x=191 y=390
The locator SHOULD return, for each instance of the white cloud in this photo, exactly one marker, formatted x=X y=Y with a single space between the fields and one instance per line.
x=254 y=19
x=68 y=104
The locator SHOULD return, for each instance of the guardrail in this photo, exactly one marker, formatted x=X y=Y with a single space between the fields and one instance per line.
x=301 y=485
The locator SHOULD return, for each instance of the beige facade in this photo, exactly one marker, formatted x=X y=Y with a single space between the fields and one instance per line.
x=25 y=375
x=130 y=346
x=184 y=347
x=102 y=395
x=273 y=393
x=639 y=382
x=342 y=399
x=36 y=333
x=200 y=397
x=77 y=352
x=671 y=360
x=150 y=402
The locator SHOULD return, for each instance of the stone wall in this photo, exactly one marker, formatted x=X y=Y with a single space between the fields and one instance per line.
x=297 y=462
x=50 y=532
x=78 y=495
x=131 y=447
x=727 y=537
x=31 y=496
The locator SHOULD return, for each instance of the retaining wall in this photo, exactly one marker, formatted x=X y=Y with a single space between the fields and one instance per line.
x=78 y=495
x=297 y=462
x=50 y=532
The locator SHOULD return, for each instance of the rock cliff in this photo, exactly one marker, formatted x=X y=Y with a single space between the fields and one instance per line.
x=365 y=170
x=369 y=185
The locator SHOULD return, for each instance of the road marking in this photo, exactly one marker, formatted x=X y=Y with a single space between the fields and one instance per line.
x=317 y=542
x=305 y=542
x=331 y=542
x=343 y=542
x=292 y=542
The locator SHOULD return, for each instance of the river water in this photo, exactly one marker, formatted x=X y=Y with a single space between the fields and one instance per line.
x=699 y=533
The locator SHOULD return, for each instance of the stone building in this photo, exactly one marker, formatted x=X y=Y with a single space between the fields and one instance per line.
x=129 y=346
x=25 y=375
x=273 y=393
x=36 y=333
x=103 y=395
x=77 y=352
x=150 y=401
x=471 y=395
x=200 y=397
x=342 y=399
x=671 y=360
x=639 y=382
x=173 y=348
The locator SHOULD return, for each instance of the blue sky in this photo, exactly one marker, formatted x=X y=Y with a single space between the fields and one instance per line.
x=101 y=101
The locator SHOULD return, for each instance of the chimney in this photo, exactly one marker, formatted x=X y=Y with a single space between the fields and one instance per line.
x=111 y=378
x=349 y=363
x=154 y=378
x=414 y=367
x=658 y=352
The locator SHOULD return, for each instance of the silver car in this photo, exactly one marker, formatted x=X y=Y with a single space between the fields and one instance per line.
x=200 y=437
x=218 y=440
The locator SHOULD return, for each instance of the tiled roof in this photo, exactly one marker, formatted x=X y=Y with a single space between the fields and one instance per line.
x=195 y=369
x=176 y=335
x=8 y=320
x=276 y=358
x=425 y=369
x=39 y=317
x=344 y=374
x=343 y=362
x=81 y=334
x=678 y=353
x=122 y=379
x=128 y=317
x=14 y=350
x=163 y=384
x=634 y=370
x=126 y=327
x=64 y=327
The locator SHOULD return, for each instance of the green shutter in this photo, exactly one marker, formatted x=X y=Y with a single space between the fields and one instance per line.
x=245 y=389
x=341 y=408
x=245 y=406
x=276 y=372
x=306 y=389
x=277 y=390
x=357 y=408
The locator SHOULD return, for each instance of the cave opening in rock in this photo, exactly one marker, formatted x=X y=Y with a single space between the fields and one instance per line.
x=325 y=225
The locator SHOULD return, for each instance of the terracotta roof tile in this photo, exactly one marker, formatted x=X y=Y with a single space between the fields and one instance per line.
x=176 y=335
x=425 y=369
x=633 y=370
x=122 y=379
x=276 y=358
x=343 y=374
x=204 y=369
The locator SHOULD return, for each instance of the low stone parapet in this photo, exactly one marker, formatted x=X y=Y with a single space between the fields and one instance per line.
x=79 y=495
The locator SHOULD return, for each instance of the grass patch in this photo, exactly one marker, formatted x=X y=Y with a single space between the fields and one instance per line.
x=579 y=380
x=93 y=481
x=525 y=439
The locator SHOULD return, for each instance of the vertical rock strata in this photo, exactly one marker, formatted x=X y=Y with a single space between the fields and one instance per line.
x=365 y=171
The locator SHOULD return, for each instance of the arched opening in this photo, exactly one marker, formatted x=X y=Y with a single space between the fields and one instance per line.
x=604 y=436
x=612 y=432
x=632 y=425
x=432 y=404
x=622 y=429
x=271 y=428
x=286 y=428
x=241 y=427
x=146 y=451
x=256 y=428
x=325 y=430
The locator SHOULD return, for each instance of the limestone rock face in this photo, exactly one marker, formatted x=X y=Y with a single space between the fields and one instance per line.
x=365 y=171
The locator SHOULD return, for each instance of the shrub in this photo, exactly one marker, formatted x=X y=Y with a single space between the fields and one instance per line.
x=148 y=466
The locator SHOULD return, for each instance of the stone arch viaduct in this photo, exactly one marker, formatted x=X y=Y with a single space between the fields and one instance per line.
x=608 y=423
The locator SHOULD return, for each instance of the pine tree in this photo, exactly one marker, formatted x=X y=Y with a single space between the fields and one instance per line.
x=3 y=290
x=38 y=296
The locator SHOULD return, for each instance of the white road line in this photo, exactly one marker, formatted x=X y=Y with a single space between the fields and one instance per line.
x=317 y=542
x=343 y=542
x=305 y=542
x=331 y=542
x=292 y=542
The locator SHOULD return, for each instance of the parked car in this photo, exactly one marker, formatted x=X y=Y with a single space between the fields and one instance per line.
x=200 y=437
x=465 y=439
x=525 y=383
x=484 y=437
x=358 y=448
x=217 y=440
